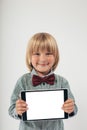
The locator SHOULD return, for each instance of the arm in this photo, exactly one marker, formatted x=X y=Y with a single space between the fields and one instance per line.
x=15 y=104
x=69 y=105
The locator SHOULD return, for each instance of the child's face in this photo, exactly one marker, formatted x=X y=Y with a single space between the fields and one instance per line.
x=42 y=61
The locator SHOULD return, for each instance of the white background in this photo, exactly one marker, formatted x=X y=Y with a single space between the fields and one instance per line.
x=66 y=20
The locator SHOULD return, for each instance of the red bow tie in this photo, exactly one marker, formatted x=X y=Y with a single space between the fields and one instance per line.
x=36 y=80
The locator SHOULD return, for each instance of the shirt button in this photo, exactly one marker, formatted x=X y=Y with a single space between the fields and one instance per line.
x=43 y=83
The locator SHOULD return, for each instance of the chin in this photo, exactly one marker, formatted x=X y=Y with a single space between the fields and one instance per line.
x=44 y=71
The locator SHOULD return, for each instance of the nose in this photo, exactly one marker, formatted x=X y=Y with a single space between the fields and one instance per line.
x=43 y=57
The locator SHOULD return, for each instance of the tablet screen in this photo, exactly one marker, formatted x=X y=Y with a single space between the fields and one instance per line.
x=44 y=104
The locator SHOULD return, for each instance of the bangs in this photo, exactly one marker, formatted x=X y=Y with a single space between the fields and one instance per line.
x=43 y=43
x=41 y=46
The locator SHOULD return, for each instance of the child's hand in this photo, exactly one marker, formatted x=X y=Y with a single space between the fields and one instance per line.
x=21 y=107
x=68 y=106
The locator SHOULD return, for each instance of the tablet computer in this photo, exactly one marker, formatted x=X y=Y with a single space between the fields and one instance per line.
x=44 y=104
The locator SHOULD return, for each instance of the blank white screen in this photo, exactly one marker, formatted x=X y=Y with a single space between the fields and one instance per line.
x=45 y=104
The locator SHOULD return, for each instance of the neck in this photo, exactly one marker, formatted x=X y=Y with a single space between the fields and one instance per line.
x=42 y=74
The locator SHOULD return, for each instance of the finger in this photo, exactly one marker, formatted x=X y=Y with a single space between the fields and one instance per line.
x=69 y=110
x=20 y=101
x=69 y=101
x=68 y=105
x=22 y=105
x=21 y=110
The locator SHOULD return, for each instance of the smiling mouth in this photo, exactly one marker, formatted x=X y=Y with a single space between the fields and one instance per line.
x=43 y=64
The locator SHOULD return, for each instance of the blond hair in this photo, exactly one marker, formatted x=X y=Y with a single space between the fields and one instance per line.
x=42 y=41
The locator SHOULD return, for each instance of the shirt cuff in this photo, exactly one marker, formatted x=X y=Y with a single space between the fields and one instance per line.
x=71 y=114
x=16 y=115
x=19 y=116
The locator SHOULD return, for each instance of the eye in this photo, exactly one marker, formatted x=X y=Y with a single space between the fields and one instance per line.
x=49 y=53
x=36 y=53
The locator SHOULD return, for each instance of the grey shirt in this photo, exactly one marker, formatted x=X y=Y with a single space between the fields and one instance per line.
x=25 y=83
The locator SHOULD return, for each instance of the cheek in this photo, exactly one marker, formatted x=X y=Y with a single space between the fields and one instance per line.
x=52 y=60
x=33 y=60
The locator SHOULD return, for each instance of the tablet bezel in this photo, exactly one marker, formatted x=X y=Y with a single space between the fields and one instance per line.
x=23 y=97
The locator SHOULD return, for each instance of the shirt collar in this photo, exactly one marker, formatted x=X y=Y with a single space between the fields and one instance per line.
x=33 y=72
